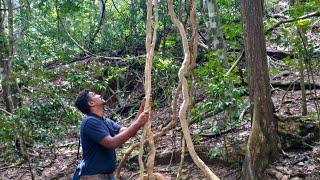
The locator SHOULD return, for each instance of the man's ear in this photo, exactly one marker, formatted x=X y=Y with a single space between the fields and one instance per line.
x=90 y=103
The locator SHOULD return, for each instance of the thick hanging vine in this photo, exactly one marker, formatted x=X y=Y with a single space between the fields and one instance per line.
x=150 y=44
x=183 y=72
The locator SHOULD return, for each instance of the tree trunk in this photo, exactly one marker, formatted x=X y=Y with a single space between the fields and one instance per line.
x=215 y=38
x=301 y=69
x=216 y=43
x=6 y=62
x=303 y=89
x=262 y=144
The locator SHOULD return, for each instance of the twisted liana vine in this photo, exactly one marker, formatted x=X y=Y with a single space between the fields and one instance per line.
x=183 y=72
x=150 y=45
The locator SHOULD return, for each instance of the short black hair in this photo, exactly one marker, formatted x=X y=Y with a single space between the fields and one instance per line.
x=82 y=101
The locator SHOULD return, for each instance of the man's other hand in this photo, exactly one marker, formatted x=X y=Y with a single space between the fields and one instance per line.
x=143 y=118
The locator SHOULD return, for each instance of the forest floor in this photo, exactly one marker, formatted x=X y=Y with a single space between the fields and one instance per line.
x=295 y=163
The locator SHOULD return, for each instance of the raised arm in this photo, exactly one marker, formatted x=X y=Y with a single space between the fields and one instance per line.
x=126 y=133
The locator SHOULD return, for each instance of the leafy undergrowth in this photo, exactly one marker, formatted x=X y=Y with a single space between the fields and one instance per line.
x=301 y=163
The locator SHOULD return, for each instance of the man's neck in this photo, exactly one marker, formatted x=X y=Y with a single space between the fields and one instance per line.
x=99 y=112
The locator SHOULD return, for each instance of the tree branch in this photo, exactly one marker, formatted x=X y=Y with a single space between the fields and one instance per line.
x=4 y=9
x=313 y=14
x=235 y=63
x=114 y=5
x=102 y=16
x=6 y=112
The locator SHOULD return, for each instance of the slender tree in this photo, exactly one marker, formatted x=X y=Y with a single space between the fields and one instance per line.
x=6 y=62
x=302 y=85
x=300 y=30
x=262 y=144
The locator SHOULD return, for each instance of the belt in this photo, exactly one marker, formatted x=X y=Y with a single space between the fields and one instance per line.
x=97 y=177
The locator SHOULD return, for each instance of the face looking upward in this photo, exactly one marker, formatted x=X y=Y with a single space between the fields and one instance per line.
x=95 y=100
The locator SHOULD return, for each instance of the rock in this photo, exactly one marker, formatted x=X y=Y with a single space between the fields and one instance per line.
x=279 y=175
x=285 y=177
x=280 y=168
x=297 y=131
x=296 y=178
x=275 y=173
x=311 y=167
x=315 y=151
x=300 y=164
x=288 y=171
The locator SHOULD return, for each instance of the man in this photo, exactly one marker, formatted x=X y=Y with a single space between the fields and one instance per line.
x=100 y=136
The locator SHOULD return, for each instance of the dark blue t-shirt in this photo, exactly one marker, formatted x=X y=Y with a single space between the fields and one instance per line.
x=96 y=158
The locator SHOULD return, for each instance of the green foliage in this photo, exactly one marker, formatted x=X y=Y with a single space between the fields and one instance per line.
x=231 y=24
x=44 y=120
x=221 y=93
x=90 y=75
x=214 y=152
x=164 y=77
x=288 y=36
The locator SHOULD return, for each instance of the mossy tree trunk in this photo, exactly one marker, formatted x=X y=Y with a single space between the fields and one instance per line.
x=215 y=37
x=262 y=144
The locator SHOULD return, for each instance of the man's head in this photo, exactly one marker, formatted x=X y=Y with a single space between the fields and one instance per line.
x=87 y=100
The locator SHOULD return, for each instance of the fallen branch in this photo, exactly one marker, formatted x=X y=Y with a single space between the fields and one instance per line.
x=220 y=133
x=314 y=14
x=235 y=151
x=286 y=84
x=13 y=166
x=281 y=74
x=235 y=63
x=6 y=112
x=52 y=64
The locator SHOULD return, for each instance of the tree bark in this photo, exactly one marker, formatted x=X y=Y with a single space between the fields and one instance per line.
x=262 y=144
x=215 y=38
x=303 y=89
x=6 y=62
x=307 y=60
